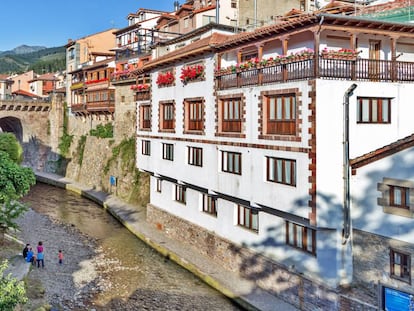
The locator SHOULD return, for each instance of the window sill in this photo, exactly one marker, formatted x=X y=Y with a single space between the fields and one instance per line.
x=194 y=132
x=405 y=280
x=248 y=229
x=231 y=134
x=398 y=211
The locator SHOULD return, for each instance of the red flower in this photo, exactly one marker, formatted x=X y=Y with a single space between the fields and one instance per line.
x=191 y=73
x=166 y=78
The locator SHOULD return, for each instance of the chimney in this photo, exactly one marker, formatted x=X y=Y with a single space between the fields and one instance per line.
x=176 y=5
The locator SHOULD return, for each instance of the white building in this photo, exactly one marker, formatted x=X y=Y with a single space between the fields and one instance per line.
x=248 y=144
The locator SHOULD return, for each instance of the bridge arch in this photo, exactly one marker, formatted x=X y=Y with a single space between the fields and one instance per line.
x=12 y=125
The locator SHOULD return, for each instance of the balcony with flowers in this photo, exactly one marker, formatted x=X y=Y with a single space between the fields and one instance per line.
x=97 y=81
x=122 y=75
x=343 y=53
x=142 y=91
x=192 y=73
x=165 y=79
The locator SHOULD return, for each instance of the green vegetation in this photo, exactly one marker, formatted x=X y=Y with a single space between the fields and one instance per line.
x=66 y=139
x=10 y=145
x=12 y=292
x=103 y=131
x=42 y=61
x=15 y=182
x=126 y=152
x=81 y=148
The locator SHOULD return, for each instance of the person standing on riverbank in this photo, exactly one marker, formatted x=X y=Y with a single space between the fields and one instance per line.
x=40 y=255
x=60 y=256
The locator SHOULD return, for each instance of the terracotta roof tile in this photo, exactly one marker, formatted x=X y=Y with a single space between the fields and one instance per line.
x=383 y=152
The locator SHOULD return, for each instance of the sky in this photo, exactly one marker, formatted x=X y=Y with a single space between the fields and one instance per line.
x=51 y=23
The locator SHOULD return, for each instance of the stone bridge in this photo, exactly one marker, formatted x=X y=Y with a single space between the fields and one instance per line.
x=37 y=125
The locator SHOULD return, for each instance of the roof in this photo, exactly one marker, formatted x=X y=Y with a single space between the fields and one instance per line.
x=201 y=46
x=25 y=93
x=44 y=77
x=383 y=152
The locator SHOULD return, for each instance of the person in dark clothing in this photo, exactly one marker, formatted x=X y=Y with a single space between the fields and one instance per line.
x=25 y=250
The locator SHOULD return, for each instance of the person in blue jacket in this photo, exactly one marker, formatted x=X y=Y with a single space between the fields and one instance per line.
x=30 y=257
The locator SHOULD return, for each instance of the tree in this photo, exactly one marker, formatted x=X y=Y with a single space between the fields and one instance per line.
x=15 y=182
x=10 y=145
x=12 y=292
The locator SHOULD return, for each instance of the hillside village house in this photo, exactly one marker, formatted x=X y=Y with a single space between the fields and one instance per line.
x=5 y=87
x=267 y=148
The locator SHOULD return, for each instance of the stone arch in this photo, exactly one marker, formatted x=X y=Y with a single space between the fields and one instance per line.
x=12 y=125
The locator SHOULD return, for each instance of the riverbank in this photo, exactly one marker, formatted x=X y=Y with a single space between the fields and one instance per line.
x=242 y=291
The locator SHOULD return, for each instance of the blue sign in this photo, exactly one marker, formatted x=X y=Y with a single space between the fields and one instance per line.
x=112 y=180
x=395 y=300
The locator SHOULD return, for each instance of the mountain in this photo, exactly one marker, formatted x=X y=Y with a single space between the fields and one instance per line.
x=23 y=49
x=37 y=58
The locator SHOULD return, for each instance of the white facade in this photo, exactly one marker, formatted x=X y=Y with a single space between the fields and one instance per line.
x=314 y=203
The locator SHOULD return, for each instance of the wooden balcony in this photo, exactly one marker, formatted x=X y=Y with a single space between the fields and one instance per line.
x=143 y=95
x=101 y=106
x=342 y=69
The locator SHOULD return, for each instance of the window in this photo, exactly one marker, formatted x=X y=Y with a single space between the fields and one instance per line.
x=167 y=116
x=145 y=116
x=168 y=152
x=146 y=147
x=231 y=162
x=301 y=237
x=374 y=110
x=195 y=156
x=210 y=204
x=400 y=266
x=248 y=218
x=280 y=115
x=231 y=113
x=194 y=116
x=180 y=193
x=281 y=171
x=400 y=197
x=234 y=4
x=159 y=184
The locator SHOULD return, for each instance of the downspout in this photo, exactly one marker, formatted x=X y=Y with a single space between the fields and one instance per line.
x=217 y=11
x=347 y=197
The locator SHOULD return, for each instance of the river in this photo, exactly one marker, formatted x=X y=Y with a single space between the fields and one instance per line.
x=134 y=272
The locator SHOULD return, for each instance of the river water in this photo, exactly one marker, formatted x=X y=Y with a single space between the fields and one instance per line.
x=136 y=272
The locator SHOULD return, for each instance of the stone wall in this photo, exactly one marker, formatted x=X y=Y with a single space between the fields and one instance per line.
x=294 y=288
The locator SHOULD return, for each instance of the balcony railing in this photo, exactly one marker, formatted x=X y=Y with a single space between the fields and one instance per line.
x=101 y=106
x=345 y=69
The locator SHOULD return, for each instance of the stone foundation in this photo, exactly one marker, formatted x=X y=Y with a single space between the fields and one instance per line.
x=295 y=289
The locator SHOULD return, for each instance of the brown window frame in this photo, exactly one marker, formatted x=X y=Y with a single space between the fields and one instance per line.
x=231 y=115
x=159 y=185
x=167 y=116
x=403 y=273
x=194 y=113
x=195 y=156
x=168 y=152
x=180 y=193
x=281 y=114
x=209 y=204
x=245 y=218
x=145 y=116
x=299 y=237
x=404 y=201
x=272 y=172
x=146 y=147
x=228 y=162
x=374 y=109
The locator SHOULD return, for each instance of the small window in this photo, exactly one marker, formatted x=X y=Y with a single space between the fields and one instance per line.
x=234 y=4
x=146 y=147
x=248 y=218
x=195 y=156
x=374 y=110
x=400 y=197
x=194 y=115
x=145 y=116
x=280 y=115
x=168 y=152
x=209 y=204
x=281 y=171
x=231 y=162
x=167 y=116
x=301 y=237
x=400 y=266
x=159 y=184
x=180 y=192
x=231 y=115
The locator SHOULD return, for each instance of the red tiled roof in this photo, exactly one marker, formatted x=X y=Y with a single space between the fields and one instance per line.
x=25 y=93
x=202 y=45
x=383 y=152
x=392 y=5
x=206 y=8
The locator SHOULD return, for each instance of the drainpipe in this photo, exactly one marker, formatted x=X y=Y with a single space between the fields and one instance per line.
x=218 y=12
x=347 y=219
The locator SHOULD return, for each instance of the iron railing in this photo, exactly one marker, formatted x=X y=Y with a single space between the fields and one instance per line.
x=325 y=68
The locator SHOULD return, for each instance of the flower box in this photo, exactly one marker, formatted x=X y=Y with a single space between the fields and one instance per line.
x=165 y=79
x=192 y=73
